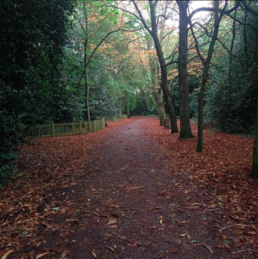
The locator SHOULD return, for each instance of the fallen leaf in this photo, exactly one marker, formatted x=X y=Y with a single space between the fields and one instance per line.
x=7 y=253
x=24 y=221
x=208 y=248
x=41 y=255
x=63 y=255
x=238 y=252
x=174 y=251
x=73 y=220
x=137 y=187
x=94 y=254
x=110 y=248
x=112 y=221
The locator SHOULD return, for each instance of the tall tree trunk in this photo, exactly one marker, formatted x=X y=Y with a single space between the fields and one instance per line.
x=161 y=109
x=87 y=87
x=200 y=108
x=76 y=96
x=120 y=108
x=157 y=93
x=87 y=97
x=231 y=53
x=185 y=126
x=164 y=74
x=206 y=66
x=254 y=172
x=245 y=44
x=128 y=106
x=163 y=67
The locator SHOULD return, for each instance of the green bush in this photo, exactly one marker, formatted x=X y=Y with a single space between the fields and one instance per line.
x=6 y=172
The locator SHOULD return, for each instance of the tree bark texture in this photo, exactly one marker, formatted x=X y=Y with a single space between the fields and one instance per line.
x=87 y=87
x=128 y=106
x=163 y=68
x=185 y=126
x=157 y=93
x=205 y=75
x=254 y=172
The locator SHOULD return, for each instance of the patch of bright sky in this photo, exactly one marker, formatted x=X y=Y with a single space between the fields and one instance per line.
x=199 y=4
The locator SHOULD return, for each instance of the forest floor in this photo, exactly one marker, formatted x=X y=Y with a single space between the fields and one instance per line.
x=131 y=191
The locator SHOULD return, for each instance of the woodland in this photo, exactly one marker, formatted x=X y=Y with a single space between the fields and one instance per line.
x=64 y=61
x=191 y=63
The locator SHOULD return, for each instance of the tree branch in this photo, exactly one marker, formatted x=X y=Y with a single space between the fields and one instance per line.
x=249 y=8
x=210 y=9
x=141 y=17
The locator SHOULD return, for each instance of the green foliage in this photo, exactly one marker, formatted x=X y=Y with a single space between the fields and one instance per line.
x=232 y=111
x=231 y=101
x=32 y=38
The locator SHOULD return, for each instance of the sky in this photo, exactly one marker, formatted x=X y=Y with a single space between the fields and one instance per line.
x=198 y=4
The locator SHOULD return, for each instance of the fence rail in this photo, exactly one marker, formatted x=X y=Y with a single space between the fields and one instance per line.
x=123 y=116
x=64 y=129
x=115 y=118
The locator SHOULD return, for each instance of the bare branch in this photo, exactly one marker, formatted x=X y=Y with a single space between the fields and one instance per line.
x=101 y=41
x=249 y=8
x=141 y=17
x=210 y=9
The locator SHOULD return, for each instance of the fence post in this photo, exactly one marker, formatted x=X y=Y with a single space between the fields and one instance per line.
x=53 y=129
x=94 y=124
x=80 y=127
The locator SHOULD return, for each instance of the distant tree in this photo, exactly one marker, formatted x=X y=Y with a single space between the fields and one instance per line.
x=153 y=31
x=185 y=127
x=218 y=14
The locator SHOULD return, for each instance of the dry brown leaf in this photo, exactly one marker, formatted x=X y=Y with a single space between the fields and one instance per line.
x=238 y=252
x=207 y=247
x=63 y=255
x=137 y=187
x=94 y=254
x=112 y=221
x=42 y=255
x=7 y=253
x=25 y=221
x=112 y=249
x=73 y=220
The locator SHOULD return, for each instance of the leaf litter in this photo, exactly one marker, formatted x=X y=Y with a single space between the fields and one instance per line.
x=74 y=201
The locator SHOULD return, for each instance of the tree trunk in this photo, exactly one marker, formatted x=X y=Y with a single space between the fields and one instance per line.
x=206 y=65
x=185 y=126
x=254 y=172
x=163 y=68
x=200 y=108
x=87 y=87
x=128 y=106
x=231 y=53
x=157 y=93
x=246 y=46
x=120 y=108
x=161 y=109
x=87 y=97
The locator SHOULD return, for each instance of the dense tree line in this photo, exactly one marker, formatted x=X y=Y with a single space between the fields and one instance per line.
x=32 y=89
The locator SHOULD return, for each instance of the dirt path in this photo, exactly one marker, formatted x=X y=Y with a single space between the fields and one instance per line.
x=130 y=200
x=140 y=204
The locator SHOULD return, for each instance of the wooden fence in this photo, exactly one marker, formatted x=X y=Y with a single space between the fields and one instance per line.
x=123 y=116
x=115 y=118
x=64 y=129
